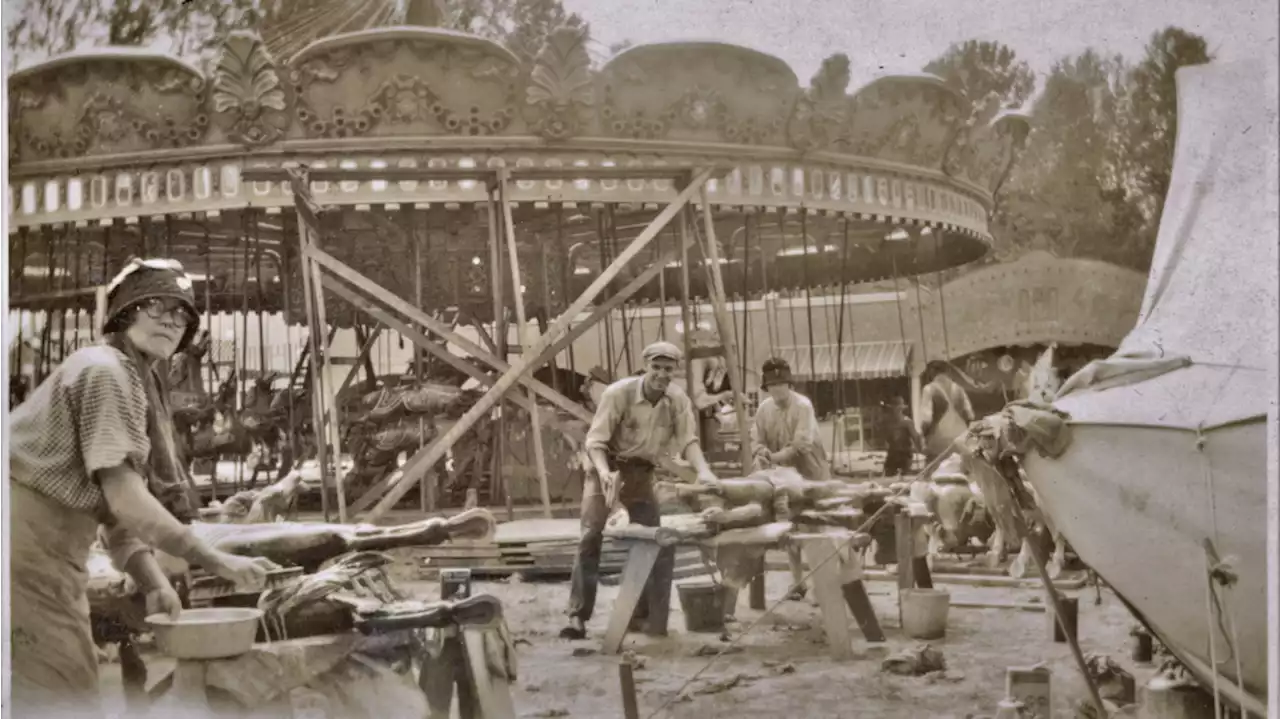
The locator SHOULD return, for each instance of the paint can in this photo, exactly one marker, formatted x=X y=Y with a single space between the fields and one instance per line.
x=455 y=584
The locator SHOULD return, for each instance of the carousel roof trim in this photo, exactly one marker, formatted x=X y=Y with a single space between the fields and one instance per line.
x=398 y=32
x=148 y=135
x=639 y=51
x=99 y=54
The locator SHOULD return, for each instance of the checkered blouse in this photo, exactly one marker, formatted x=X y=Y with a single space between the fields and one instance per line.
x=89 y=415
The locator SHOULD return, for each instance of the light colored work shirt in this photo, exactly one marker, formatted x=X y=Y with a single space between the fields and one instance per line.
x=629 y=426
x=89 y=415
x=776 y=428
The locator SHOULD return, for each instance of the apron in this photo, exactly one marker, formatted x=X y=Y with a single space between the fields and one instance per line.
x=54 y=662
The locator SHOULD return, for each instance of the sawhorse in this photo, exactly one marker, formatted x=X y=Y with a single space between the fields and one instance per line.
x=462 y=667
x=837 y=584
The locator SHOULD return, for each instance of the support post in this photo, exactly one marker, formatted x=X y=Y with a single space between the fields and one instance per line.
x=498 y=480
x=719 y=305
x=417 y=466
x=522 y=324
x=309 y=295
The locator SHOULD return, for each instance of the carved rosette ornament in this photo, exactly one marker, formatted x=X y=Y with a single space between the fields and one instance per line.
x=560 y=93
x=249 y=98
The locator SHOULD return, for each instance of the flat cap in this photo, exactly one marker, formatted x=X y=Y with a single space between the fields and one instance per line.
x=661 y=349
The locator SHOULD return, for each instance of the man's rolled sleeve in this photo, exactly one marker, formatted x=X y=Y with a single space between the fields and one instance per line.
x=120 y=544
x=685 y=432
x=605 y=421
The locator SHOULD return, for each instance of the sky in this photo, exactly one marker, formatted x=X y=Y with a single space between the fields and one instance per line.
x=904 y=35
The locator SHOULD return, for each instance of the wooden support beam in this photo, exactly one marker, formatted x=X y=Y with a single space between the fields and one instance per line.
x=309 y=295
x=497 y=481
x=724 y=322
x=359 y=359
x=522 y=327
x=417 y=466
x=308 y=229
x=436 y=327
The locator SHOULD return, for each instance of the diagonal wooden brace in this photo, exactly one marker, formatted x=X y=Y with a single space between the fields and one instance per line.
x=436 y=327
x=417 y=466
x=438 y=350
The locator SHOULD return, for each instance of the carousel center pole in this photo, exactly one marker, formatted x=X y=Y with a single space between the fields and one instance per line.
x=522 y=323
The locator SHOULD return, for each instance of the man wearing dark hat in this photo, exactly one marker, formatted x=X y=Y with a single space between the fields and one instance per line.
x=639 y=420
x=903 y=438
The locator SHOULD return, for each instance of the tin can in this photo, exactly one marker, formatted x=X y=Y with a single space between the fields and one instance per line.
x=455 y=584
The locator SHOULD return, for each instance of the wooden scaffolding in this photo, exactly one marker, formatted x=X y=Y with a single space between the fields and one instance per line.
x=321 y=271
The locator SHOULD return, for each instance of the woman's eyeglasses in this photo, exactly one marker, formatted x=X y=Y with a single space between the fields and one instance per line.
x=158 y=309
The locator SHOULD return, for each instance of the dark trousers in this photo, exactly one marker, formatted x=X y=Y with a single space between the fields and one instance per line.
x=897 y=461
x=637 y=495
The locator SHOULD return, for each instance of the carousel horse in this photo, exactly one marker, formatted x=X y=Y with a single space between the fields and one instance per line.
x=945 y=408
x=1041 y=388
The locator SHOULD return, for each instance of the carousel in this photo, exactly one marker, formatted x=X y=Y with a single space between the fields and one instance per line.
x=403 y=179
x=491 y=206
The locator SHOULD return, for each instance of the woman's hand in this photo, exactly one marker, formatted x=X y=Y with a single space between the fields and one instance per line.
x=164 y=600
x=248 y=573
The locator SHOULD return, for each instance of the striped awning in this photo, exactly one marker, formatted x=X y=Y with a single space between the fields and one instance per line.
x=864 y=360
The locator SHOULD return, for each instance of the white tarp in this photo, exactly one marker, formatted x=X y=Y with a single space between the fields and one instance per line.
x=1212 y=287
x=1211 y=294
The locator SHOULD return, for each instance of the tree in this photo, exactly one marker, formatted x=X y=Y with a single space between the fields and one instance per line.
x=1151 y=114
x=988 y=75
x=521 y=25
x=1067 y=192
x=193 y=28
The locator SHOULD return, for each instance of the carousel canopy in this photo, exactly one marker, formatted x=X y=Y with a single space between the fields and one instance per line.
x=116 y=152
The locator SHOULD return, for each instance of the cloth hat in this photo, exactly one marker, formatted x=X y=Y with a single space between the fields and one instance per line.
x=143 y=280
x=661 y=349
x=775 y=371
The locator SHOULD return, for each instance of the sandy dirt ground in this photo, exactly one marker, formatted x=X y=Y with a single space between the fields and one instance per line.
x=781 y=668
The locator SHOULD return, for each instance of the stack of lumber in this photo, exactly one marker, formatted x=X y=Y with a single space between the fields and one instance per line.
x=533 y=548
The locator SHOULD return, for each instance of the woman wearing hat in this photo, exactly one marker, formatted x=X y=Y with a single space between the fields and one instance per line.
x=92 y=456
x=785 y=429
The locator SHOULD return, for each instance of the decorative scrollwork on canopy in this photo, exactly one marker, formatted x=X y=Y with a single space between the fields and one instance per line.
x=560 y=93
x=248 y=95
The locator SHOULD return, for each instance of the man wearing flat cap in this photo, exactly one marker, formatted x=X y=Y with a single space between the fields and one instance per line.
x=639 y=420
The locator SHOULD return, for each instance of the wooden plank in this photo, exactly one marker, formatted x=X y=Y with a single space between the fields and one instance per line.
x=818 y=553
x=382 y=296
x=417 y=466
x=493 y=691
x=311 y=296
x=724 y=322
x=640 y=561
x=522 y=328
